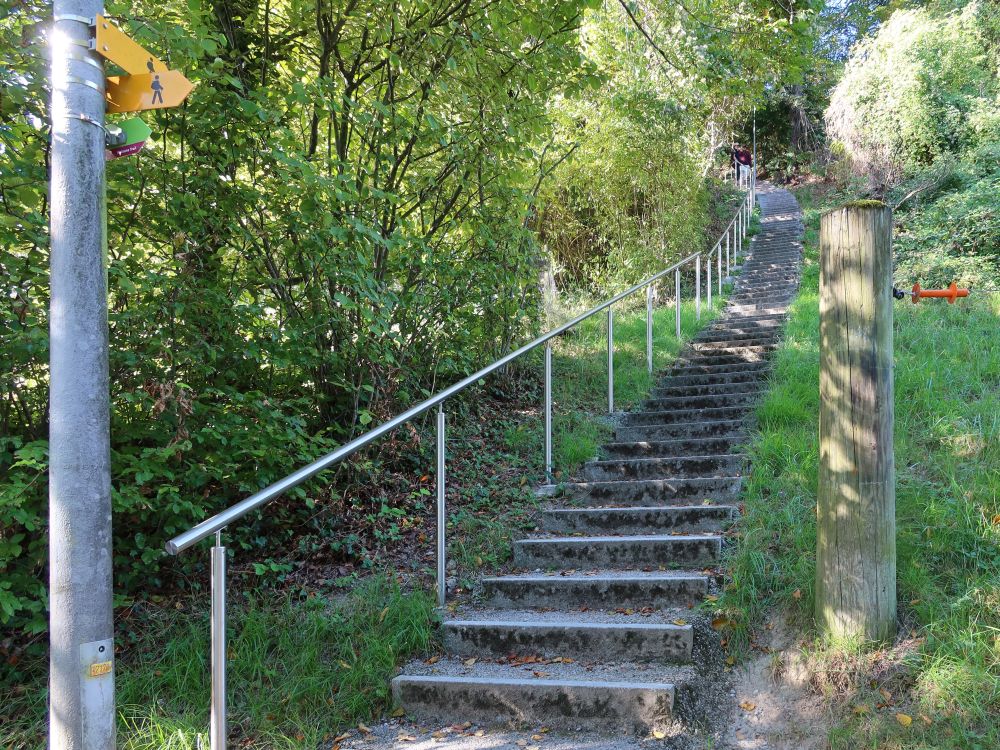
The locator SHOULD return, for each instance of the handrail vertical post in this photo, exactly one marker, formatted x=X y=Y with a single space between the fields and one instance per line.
x=718 y=263
x=548 y=412
x=733 y=228
x=217 y=718
x=708 y=268
x=728 y=273
x=649 y=328
x=442 y=518
x=697 y=288
x=611 y=362
x=677 y=301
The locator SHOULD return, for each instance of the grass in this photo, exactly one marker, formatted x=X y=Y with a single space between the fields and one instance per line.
x=944 y=670
x=299 y=671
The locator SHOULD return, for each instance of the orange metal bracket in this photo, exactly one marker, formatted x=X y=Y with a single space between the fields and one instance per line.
x=951 y=293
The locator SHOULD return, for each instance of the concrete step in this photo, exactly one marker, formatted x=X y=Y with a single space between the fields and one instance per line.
x=700 y=377
x=738 y=356
x=705 y=368
x=756 y=310
x=704 y=401
x=668 y=448
x=596 y=589
x=686 y=430
x=657 y=519
x=567 y=697
x=735 y=344
x=580 y=636
x=618 y=552
x=729 y=464
x=673 y=416
x=752 y=389
x=677 y=491
x=765 y=335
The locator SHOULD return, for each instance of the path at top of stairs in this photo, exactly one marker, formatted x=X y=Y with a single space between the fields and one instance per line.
x=610 y=583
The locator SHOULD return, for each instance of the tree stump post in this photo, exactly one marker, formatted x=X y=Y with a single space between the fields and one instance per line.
x=856 y=501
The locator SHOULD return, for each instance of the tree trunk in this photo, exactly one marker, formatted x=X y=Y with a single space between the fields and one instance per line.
x=856 y=525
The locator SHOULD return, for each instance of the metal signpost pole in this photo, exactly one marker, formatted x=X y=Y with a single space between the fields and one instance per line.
x=81 y=623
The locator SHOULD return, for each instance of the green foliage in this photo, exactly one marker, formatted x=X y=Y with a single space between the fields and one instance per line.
x=923 y=86
x=344 y=215
x=947 y=445
x=951 y=232
x=632 y=198
x=306 y=246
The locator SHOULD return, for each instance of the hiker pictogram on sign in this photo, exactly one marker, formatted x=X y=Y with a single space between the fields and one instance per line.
x=157 y=88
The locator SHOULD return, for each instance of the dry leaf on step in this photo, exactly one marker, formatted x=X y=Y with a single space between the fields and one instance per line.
x=748 y=706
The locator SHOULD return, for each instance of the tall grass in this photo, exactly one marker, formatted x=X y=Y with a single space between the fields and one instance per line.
x=299 y=670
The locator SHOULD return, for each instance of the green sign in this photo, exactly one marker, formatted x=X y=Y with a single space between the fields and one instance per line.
x=136 y=132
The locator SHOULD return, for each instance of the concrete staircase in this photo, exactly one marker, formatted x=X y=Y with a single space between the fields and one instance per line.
x=597 y=631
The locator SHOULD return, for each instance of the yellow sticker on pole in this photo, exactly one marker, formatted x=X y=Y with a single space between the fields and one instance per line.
x=112 y=44
x=100 y=669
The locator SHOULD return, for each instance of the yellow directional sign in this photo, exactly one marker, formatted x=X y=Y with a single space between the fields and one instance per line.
x=130 y=56
x=147 y=91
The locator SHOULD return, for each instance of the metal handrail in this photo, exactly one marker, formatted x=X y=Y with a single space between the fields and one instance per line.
x=214 y=525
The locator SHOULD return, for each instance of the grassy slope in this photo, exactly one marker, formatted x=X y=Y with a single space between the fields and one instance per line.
x=307 y=664
x=944 y=671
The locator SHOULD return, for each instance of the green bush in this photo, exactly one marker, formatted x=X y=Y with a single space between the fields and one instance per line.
x=923 y=86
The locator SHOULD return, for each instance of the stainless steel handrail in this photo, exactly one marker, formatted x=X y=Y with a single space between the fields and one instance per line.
x=215 y=524
x=210 y=526
x=224 y=518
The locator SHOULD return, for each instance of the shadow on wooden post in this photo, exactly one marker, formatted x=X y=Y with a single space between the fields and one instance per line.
x=856 y=523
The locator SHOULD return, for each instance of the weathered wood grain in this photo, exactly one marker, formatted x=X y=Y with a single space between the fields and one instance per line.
x=856 y=524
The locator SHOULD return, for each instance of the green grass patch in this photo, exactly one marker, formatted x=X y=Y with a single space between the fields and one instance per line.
x=299 y=670
x=945 y=667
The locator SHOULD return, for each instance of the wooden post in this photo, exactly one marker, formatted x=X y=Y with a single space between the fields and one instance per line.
x=856 y=501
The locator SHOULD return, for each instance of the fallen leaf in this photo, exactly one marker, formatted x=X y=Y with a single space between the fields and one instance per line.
x=926 y=719
x=730 y=660
x=711 y=598
x=469 y=662
x=886 y=694
x=797 y=594
x=659 y=734
x=363 y=729
x=748 y=706
x=861 y=709
x=904 y=720
x=433 y=660
x=720 y=622
x=679 y=622
x=399 y=712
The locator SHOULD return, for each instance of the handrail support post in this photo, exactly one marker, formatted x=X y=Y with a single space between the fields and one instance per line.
x=649 y=328
x=611 y=361
x=697 y=288
x=677 y=301
x=548 y=412
x=217 y=718
x=442 y=517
